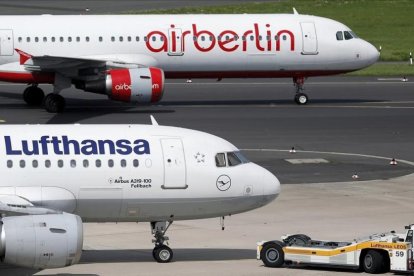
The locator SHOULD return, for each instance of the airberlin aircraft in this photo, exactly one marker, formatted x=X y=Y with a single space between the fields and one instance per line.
x=56 y=176
x=127 y=57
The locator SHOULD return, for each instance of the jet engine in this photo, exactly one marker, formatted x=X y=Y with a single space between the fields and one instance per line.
x=141 y=85
x=41 y=241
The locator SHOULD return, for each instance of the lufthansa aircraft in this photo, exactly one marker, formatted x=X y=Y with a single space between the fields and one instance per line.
x=55 y=176
x=127 y=56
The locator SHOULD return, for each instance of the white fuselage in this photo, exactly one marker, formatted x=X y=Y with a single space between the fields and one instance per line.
x=248 y=45
x=128 y=172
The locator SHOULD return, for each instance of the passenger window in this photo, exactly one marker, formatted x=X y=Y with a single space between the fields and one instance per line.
x=69 y=39
x=98 y=163
x=284 y=37
x=227 y=38
x=137 y=38
x=61 y=39
x=276 y=37
x=22 y=164
x=85 y=163
x=36 y=39
x=60 y=163
x=27 y=39
x=121 y=38
x=154 y=38
x=232 y=159
x=112 y=38
x=123 y=163
x=47 y=163
x=35 y=163
x=53 y=39
x=203 y=38
x=20 y=39
x=135 y=163
x=44 y=39
x=77 y=39
x=145 y=38
x=339 y=36
x=220 y=159
x=347 y=35
x=260 y=37
x=129 y=39
x=100 y=39
x=251 y=38
x=9 y=164
x=73 y=163
x=110 y=163
x=87 y=39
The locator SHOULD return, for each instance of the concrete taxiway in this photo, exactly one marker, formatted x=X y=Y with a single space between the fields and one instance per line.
x=352 y=125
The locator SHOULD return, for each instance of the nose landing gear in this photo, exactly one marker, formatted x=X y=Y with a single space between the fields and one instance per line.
x=161 y=253
x=300 y=97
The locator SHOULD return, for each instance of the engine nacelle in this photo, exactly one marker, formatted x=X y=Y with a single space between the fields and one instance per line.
x=141 y=85
x=41 y=241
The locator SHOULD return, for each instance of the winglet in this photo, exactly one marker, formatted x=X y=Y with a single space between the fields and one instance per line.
x=23 y=56
x=153 y=121
x=295 y=11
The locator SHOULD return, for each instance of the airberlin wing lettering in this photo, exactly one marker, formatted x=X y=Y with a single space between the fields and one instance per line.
x=64 y=146
x=226 y=40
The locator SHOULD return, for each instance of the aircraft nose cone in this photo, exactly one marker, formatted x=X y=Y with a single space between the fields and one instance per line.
x=271 y=186
x=371 y=53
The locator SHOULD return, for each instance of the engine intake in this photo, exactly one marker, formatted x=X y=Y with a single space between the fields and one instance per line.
x=141 y=85
x=41 y=241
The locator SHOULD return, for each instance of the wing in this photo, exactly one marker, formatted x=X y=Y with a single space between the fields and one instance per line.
x=85 y=67
x=11 y=205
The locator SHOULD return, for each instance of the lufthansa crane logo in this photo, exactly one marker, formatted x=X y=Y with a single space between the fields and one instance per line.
x=223 y=182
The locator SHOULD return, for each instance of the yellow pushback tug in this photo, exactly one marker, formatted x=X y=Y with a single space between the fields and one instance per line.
x=378 y=253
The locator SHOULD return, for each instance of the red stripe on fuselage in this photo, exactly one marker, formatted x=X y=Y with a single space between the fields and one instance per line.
x=20 y=77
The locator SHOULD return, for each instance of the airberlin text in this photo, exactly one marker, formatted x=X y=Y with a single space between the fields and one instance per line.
x=227 y=40
x=62 y=145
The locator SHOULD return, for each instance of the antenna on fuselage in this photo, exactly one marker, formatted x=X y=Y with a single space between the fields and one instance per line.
x=295 y=11
x=153 y=121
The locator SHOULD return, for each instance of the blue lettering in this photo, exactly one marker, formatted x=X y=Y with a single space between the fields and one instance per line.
x=9 y=149
x=64 y=146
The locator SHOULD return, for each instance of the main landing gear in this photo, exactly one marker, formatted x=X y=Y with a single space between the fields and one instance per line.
x=34 y=96
x=300 y=97
x=161 y=253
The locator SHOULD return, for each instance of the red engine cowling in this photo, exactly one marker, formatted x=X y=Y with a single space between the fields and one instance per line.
x=142 y=85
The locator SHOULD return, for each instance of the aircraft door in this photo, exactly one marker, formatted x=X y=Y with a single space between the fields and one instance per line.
x=175 y=42
x=309 y=39
x=6 y=43
x=174 y=164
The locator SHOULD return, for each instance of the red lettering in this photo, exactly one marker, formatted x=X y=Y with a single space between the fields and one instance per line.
x=184 y=34
x=292 y=39
x=164 y=46
x=223 y=42
x=269 y=38
x=245 y=35
x=209 y=34
x=257 y=34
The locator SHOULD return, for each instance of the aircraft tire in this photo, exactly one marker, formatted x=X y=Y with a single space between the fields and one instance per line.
x=272 y=255
x=33 y=96
x=54 y=103
x=301 y=98
x=163 y=254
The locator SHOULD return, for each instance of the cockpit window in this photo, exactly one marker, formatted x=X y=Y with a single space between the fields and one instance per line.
x=220 y=159
x=353 y=34
x=339 y=36
x=348 y=35
x=232 y=159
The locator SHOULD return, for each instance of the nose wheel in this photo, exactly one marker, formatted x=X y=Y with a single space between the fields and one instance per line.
x=300 y=97
x=161 y=252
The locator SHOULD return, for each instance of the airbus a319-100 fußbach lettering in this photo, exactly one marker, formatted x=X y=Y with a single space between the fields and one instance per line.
x=56 y=176
x=128 y=57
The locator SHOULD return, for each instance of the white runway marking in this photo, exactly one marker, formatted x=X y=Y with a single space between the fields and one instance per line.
x=2 y=121
x=335 y=153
